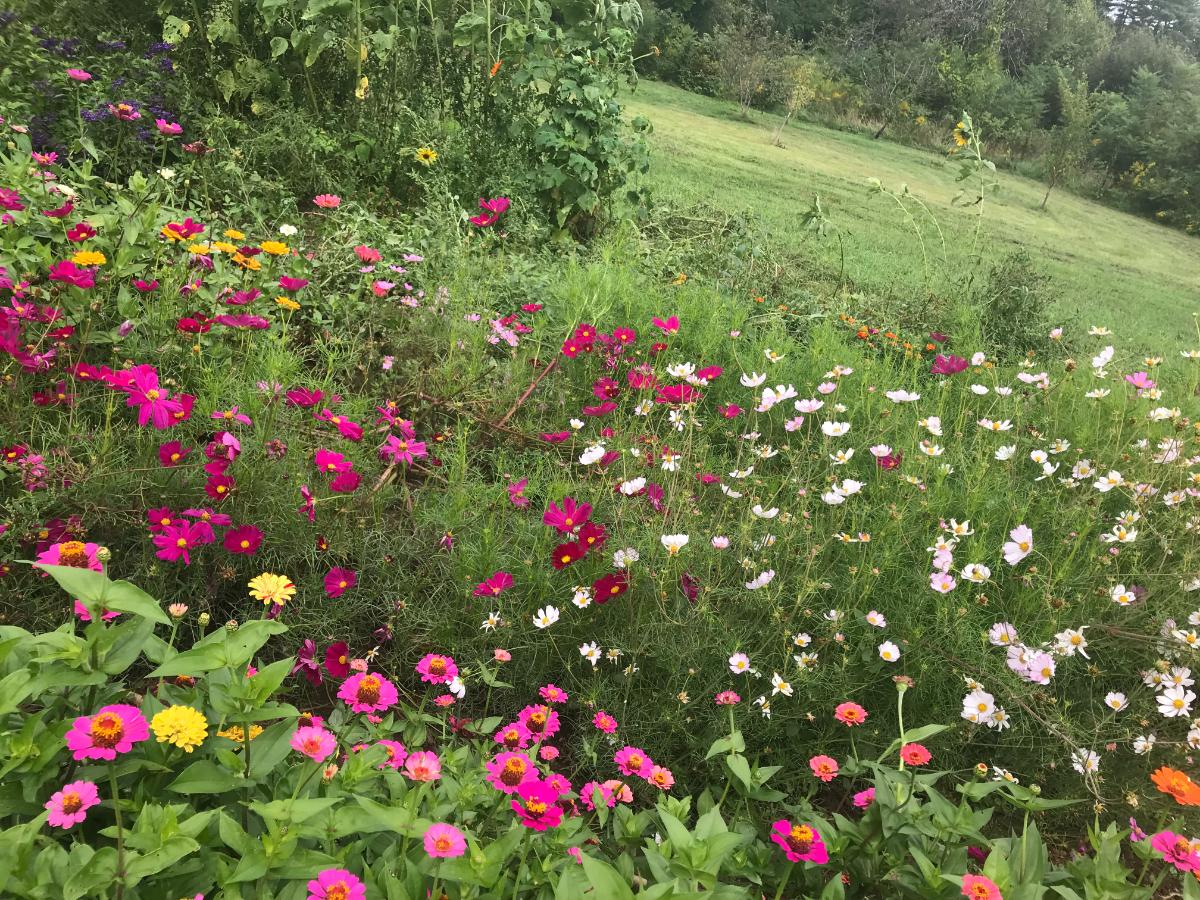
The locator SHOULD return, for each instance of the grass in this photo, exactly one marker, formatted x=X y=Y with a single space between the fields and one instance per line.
x=1106 y=267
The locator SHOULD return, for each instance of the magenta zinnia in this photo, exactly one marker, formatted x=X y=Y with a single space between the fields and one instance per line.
x=444 y=841
x=69 y=806
x=800 y=843
x=111 y=731
x=368 y=692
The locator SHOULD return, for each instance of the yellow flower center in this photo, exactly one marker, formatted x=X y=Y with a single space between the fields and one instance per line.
x=71 y=802
x=368 y=690
x=800 y=838
x=106 y=730
x=74 y=554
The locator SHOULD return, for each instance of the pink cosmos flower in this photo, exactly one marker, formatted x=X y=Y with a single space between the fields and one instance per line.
x=231 y=415
x=947 y=365
x=604 y=722
x=397 y=753
x=492 y=210
x=172 y=453
x=336 y=884
x=800 y=843
x=509 y=770
x=633 y=761
x=1020 y=546
x=978 y=887
x=154 y=404
x=494 y=585
x=289 y=283
x=915 y=754
x=571 y=516
x=1177 y=850
x=516 y=493
x=863 y=799
x=330 y=462
x=338 y=581
x=824 y=767
x=314 y=742
x=347 y=428
x=667 y=326
x=337 y=660
x=69 y=273
x=327 y=201
x=660 y=777
x=69 y=805
x=177 y=540
x=434 y=668
x=444 y=841
x=111 y=731
x=380 y=288
x=850 y=714
x=79 y=75
x=244 y=539
x=423 y=765
x=368 y=692
x=402 y=450
x=538 y=808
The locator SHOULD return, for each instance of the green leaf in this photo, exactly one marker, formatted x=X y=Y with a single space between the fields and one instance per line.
x=740 y=769
x=279 y=46
x=196 y=661
x=605 y=880
x=204 y=777
x=173 y=849
x=731 y=744
x=125 y=597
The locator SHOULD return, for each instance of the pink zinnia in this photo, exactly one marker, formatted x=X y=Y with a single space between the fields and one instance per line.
x=327 y=201
x=539 y=809
x=111 y=731
x=397 y=753
x=338 y=581
x=368 y=692
x=915 y=754
x=824 y=767
x=368 y=254
x=540 y=721
x=633 y=761
x=336 y=884
x=423 y=766
x=509 y=770
x=977 y=887
x=314 y=742
x=604 y=722
x=434 y=668
x=589 y=797
x=1175 y=849
x=513 y=735
x=553 y=694
x=444 y=841
x=800 y=843
x=69 y=805
x=168 y=128
x=727 y=698
x=661 y=778
x=863 y=799
x=850 y=714
x=79 y=75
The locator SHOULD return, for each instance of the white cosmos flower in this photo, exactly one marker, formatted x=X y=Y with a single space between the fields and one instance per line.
x=810 y=405
x=546 y=616
x=976 y=572
x=802 y=640
x=761 y=580
x=1103 y=358
x=576 y=424
x=288 y=230
x=681 y=370
x=978 y=706
x=1116 y=701
x=624 y=558
x=1002 y=635
x=779 y=686
x=990 y=425
x=772 y=356
x=835 y=429
x=674 y=542
x=998 y=719
x=876 y=618
x=1098 y=331
x=582 y=597
x=644 y=408
x=932 y=424
x=1070 y=642
x=961 y=529
x=1097 y=393
x=841 y=457
x=806 y=660
x=889 y=652
x=629 y=488
x=1143 y=744
x=491 y=622
x=978 y=389
x=761 y=513
x=1085 y=762
x=593 y=454
x=730 y=492
x=930 y=449
x=1006 y=452
x=590 y=652
x=1175 y=701
x=902 y=396
x=1122 y=596
x=739 y=474
x=753 y=380
x=1106 y=483
x=1003 y=391
x=739 y=664
x=457 y=688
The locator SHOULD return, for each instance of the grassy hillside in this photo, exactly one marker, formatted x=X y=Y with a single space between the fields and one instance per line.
x=1107 y=267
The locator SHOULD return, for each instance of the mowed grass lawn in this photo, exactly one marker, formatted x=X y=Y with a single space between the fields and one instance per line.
x=1139 y=278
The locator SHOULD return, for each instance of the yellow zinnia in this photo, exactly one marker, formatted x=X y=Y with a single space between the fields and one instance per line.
x=224 y=246
x=271 y=588
x=247 y=262
x=180 y=726
x=275 y=248
x=287 y=303
x=237 y=735
x=89 y=258
x=234 y=235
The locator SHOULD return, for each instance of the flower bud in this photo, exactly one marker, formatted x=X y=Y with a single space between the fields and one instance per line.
x=231 y=626
x=204 y=619
x=103 y=554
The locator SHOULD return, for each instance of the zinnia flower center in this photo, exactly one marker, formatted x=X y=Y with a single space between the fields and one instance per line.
x=535 y=808
x=368 y=690
x=442 y=843
x=312 y=745
x=513 y=772
x=980 y=891
x=512 y=738
x=74 y=554
x=800 y=838
x=437 y=666
x=339 y=891
x=635 y=762
x=107 y=729
x=537 y=721
x=71 y=802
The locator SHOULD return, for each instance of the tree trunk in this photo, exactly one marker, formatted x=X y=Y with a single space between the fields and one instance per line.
x=878 y=134
x=1049 y=188
x=779 y=131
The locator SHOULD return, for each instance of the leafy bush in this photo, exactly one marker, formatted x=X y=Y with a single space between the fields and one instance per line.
x=1012 y=309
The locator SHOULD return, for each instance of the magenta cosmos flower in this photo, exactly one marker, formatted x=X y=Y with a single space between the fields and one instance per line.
x=69 y=806
x=245 y=539
x=435 y=668
x=538 y=809
x=444 y=841
x=569 y=517
x=338 y=581
x=336 y=884
x=113 y=730
x=494 y=585
x=800 y=843
x=508 y=771
x=314 y=742
x=368 y=692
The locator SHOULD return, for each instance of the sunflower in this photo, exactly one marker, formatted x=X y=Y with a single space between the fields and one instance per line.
x=426 y=156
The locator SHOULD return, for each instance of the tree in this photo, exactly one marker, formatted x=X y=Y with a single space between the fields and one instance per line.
x=802 y=76
x=752 y=59
x=1070 y=139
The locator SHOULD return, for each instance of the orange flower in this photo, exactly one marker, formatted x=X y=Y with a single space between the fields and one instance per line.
x=495 y=68
x=1171 y=781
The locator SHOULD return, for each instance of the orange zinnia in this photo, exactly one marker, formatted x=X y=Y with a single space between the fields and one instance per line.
x=1171 y=781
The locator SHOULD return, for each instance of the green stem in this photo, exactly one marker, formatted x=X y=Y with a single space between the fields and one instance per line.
x=786 y=878
x=120 y=873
